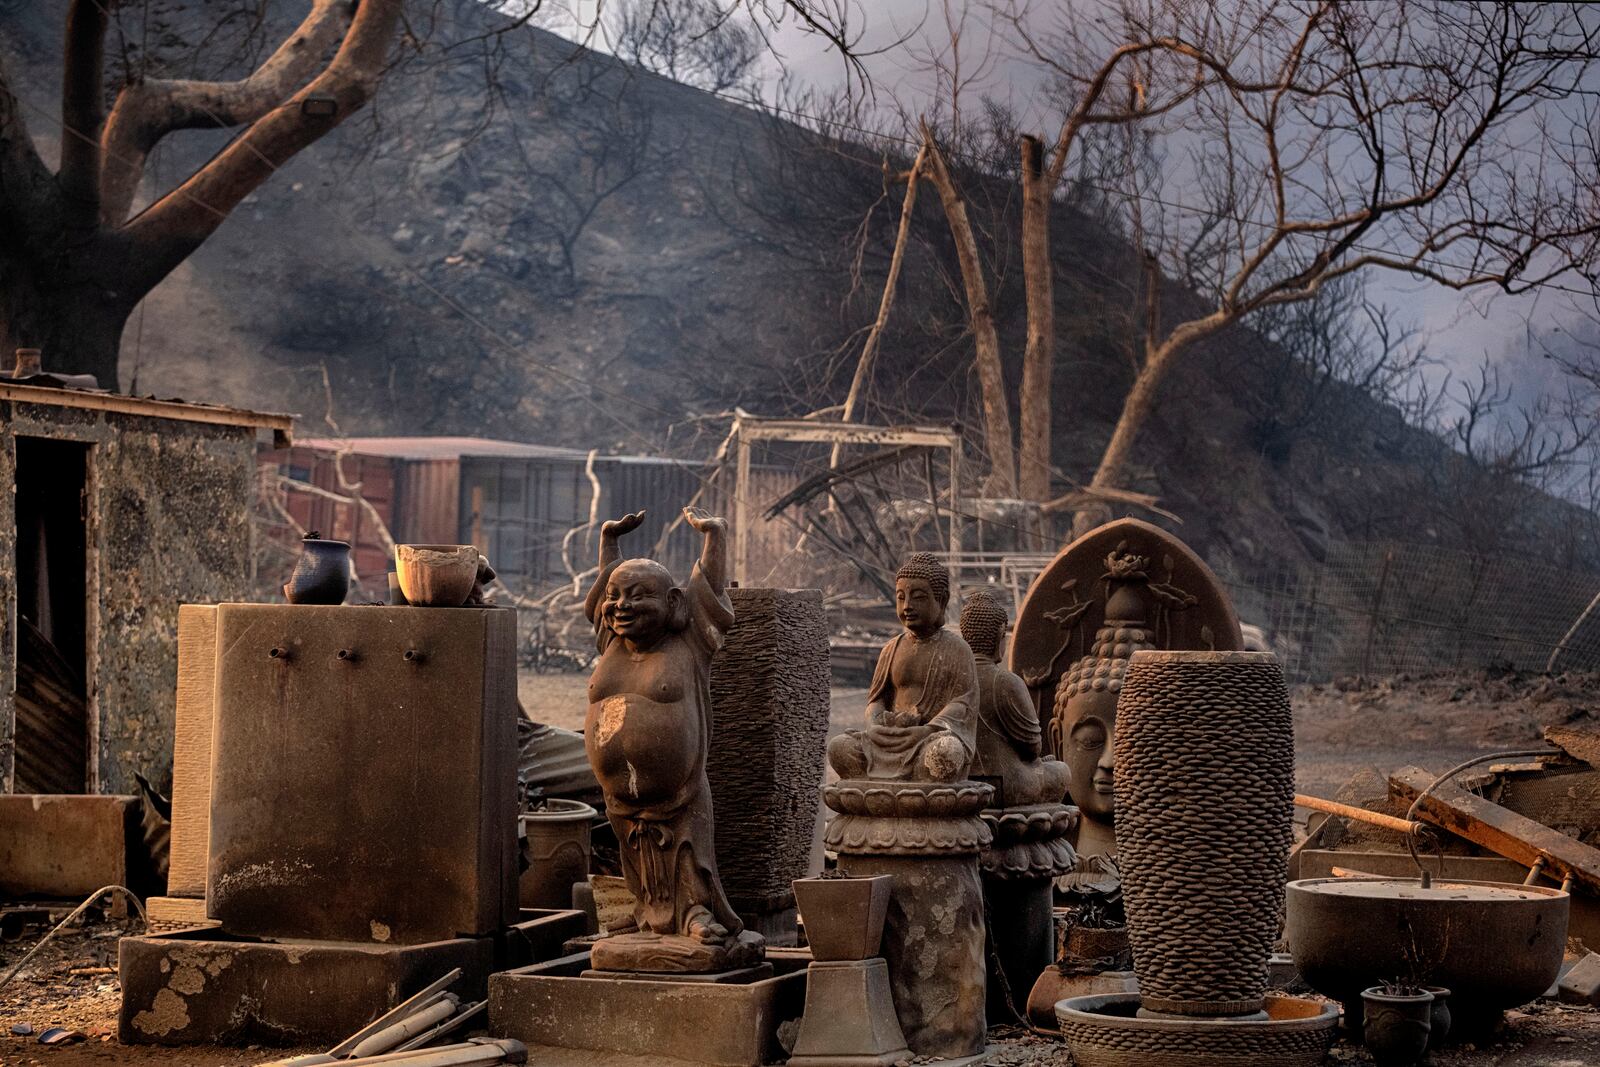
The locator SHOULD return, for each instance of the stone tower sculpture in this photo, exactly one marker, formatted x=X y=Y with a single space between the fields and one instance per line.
x=647 y=733
x=905 y=808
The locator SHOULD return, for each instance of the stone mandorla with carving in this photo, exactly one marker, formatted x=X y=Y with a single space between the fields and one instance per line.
x=922 y=710
x=647 y=734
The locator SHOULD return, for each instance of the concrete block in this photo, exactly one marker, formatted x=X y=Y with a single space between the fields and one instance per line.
x=769 y=694
x=191 y=750
x=64 y=846
x=1581 y=984
x=358 y=794
x=199 y=987
x=549 y=1006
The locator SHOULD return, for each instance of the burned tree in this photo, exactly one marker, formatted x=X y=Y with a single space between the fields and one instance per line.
x=1451 y=143
x=73 y=264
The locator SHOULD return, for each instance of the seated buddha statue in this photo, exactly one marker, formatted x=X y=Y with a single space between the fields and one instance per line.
x=922 y=707
x=1009 y=733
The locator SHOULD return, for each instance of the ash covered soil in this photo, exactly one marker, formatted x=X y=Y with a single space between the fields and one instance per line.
x=1341 y=729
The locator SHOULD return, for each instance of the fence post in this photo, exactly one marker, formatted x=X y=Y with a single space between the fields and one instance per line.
x=1377 y=606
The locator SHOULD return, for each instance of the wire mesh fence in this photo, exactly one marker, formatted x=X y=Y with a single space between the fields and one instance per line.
x=1377 y=608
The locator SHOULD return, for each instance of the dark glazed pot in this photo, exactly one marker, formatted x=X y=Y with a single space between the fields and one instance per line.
x=1396 y=1028
x=322 y=574
x=844 y=916
x=1439 y=1017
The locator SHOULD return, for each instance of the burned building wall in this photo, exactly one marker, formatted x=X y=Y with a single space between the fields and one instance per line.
x=166 y=517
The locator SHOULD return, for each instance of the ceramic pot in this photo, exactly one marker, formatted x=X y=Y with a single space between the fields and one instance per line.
x=436 y=576
x=558 y=852
x=1439 y=1017
x=1205 y=809
x=844 y=916
x=322 y=573
x=1396 y=1028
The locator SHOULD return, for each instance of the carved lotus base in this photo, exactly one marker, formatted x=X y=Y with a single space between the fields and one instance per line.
x=906 y=818
x=1030 y=841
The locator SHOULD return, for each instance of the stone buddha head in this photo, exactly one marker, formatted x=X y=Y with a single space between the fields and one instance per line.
x=641 y=602
x=922 y=593
x=983 y=624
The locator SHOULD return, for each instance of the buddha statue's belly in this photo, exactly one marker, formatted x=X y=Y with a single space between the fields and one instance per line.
x=642 y=751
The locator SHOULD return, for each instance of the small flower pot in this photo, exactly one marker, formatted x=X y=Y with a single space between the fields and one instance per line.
x=1396 y=1028
x=844 y=916
x=1439 y=1018
x=322 y=573
x=436 y=576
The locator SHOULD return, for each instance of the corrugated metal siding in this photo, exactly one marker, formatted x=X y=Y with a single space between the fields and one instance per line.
x=519 y=511
x=336 y=520
x=427 y=502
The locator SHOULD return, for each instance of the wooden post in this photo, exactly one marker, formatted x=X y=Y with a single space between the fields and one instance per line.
x=955 y=521
x=743 y=513
x=1377 y=606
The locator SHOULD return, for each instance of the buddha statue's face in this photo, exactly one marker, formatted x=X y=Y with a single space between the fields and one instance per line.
x=638 y=600
x=1089 y=758
x=919 y=610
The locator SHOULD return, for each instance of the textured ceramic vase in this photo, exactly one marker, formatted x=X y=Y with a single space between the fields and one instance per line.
x=436 y=576
x=322 y=573
x=1205 y=802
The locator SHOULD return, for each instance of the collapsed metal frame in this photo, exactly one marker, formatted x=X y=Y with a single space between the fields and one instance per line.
x=750 y=429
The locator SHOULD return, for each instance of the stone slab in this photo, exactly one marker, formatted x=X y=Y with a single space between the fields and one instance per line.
x=198 y=987
x=1581 y=984
x=191 y=750
x=552 y=1005
x=64 y=846
x=368 y=797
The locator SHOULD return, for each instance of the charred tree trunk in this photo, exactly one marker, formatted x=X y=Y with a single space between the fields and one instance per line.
x=1002 y=480
x=1038 y=358
x=72 y=265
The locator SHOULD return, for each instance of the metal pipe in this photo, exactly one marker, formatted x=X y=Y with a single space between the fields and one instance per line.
x=409 y=1027
x=1333 y=807
x=419 y=999
x=479 y=1053
x=455 y=1022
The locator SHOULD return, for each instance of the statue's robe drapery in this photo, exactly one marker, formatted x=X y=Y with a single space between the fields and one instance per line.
x=650 y=757
x=949 y=702
x=1009 y=736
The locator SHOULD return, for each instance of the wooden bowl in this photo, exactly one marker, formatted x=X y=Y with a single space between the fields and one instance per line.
x=436 y=576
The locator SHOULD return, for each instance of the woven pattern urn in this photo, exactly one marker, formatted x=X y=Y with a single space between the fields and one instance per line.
x=1205 y=802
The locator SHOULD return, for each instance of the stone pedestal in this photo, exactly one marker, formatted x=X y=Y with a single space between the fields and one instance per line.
x=1028 y=851
x=363 y=777
x=769 y=696
x=928 y=837
x=850 y=1019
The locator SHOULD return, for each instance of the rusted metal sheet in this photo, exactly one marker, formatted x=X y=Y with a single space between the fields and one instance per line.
x=426 y=509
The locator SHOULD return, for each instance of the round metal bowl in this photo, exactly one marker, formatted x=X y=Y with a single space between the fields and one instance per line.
x=1494 y=944
x=1103 y=1031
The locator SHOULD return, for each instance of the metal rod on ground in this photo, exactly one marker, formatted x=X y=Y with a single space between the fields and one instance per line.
x=399 y=1011
x=452 y=1023
x=1374 y=818
x=479 y=1052
x=418 y=1022
x=138 y=906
